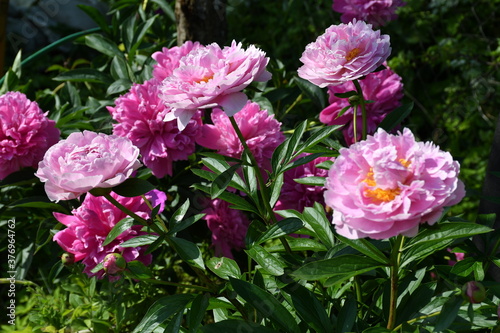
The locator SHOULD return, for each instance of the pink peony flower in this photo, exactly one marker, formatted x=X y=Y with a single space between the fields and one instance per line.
x=384 y=88
x=209 y=76
x=140 y=114
x=260 y=130
x=228 y=227
x=298 y=196
x=25 y=133
x=376 y=13
x=86 y=160
x=389 y=184
x=344 y=53
x=168 y=59
x=91 y=223
x=474 y=292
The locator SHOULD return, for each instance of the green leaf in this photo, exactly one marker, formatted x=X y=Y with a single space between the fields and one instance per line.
x=188 y=251
x=281 y=228
x=266 y=305
x=84 y=75
x=161 y=310
x=317 y=137
x=463 y=267
x=185 y=224
x=309 y=308
x=299 y=244
x=197 y=312
x=347 y=315
x=133 y=187
x=301 y=161
x=275 y=187
x=315 y=93
x=138 y=270
x=346 y=265
x=234 y=199
x=120 y=69
x=448 y=313
x=103 y=45
x=311 y=181
x=179 y=214
x=266 y=260
x=364 y=246
x=326 y=165
x=96 y=16
x=167 y=9
x=219 y=167
x=224 y=267
x=395 y=118
x=139 y=241
x=221 y=182
x=254 y=231
x=120 y=227
x=346 y=94
x=118 y=86
x=317 y=221
x=294 y=141
x=141 y=31
x=234 y=325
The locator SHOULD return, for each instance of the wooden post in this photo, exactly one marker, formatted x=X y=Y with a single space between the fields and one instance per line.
x=4 y=5
x=201 y=21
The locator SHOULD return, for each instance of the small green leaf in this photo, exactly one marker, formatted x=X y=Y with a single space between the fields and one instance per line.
x=347 y=315
x=266 y=260
x=96 y=16
x=179 y=214
x=197 y=312
x=346 y=94
x=188 y=251
x=448 y=313
x=120 y=227
x=103 y=45
x=133 y=187
x=316 y=219
x=84 y=75
x=185 y=224
x=275 y=187
x=224 y=267
x=118 y=86
x=138 y=270
x=141 y=240
x=364 y=246
x=221 y=182
x=395 y=118
x=281 y=228
x=315 y=93
x=311 y=181
x=317 y=137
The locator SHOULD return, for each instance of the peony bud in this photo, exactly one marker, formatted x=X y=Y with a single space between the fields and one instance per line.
x=474 y=292
x=114 y=263
x=68 y=259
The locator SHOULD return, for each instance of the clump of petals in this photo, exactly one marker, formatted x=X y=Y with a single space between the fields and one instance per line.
x=168 y=59
x=387 y=185
x=376 y=13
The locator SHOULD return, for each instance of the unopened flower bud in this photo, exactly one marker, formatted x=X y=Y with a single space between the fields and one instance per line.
x=114 y=263
x=68 y=259
x=474 y=292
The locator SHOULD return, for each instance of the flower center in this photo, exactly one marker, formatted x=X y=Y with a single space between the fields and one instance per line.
x=205 y=79
x=352 y=54
x=378 y=194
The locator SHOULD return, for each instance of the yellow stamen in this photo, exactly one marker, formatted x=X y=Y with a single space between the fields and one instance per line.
x=352 y=54
x=404 y=162
x=379 y=194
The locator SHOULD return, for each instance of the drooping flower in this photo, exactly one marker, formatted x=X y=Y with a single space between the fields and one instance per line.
x=383 y=88
x=260 y=130
x=140 y=114
x=228 y=227
x=168 y=59
x=209 y=77
x=298 y=196
x=388 y=185
x=89 y=225
x=345 y=52
x=25 y=133
x=376 y=13
x=86 y=160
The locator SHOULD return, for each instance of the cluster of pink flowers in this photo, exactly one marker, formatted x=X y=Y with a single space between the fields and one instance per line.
x=208 y=77
x=344 y=53
x=260 y=130
x=90 y=224
x=228 y=227
x=377 y=12
x=140 y=115
x=389 y=184
x=25 y=133
x=84 y=161
x=384 y=88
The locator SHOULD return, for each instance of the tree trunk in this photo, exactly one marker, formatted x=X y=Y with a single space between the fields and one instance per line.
x=201 y=21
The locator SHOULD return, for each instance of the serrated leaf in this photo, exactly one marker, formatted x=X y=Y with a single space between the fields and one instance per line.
x=188 y=251
x=133 y=187
x=224 y=267
x=120 y=227
x=281 y=228
x=266 y=260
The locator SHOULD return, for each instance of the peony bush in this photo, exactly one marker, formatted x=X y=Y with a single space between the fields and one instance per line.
x=210 y=188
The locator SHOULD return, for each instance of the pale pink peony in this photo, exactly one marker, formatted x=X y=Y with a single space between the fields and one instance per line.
x=345 y=52
x=374 y=12
x=389 y=184
x=209 y=77
x=91 y=223
x=25 y=133
x=260 y=130
x=298 y=196
x=384 y=88
x=140 y=114
x=86 y=160
x=168 y=59
x=228 y=227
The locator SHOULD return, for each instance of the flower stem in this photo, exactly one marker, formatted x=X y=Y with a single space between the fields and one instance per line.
x=363 y=109
x=355 y=123
x=395 y=261
x=397 y=328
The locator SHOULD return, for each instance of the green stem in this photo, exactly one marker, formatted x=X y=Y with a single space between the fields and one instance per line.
x=297 y=100
x=355 y=123
x=363 y=109
x=417 y=319
x=395 y=261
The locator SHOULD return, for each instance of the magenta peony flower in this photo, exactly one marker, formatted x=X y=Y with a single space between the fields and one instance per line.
x=376 y=13
x=91 y=223
x=168 y=59
x=209 y=76
x=260 y=130
x=86 y=160
x=140 y=114
x=25 y=133
x=474 y=292
x=228 y=227
x=298 y=196
x=345 y=52
x=389 y=184
x=384 y=88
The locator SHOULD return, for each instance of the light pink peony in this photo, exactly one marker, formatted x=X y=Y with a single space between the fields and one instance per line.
x=209 y=77
x=345 y=52
x=91 y=223
x=374 y=12
x=86 y=160
x=25 y=133
x=298 y=196
x=168 y=59
x=384 y=88
x=389 y=184
x=228 y=227
x=140 y=114
x=260 y=130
